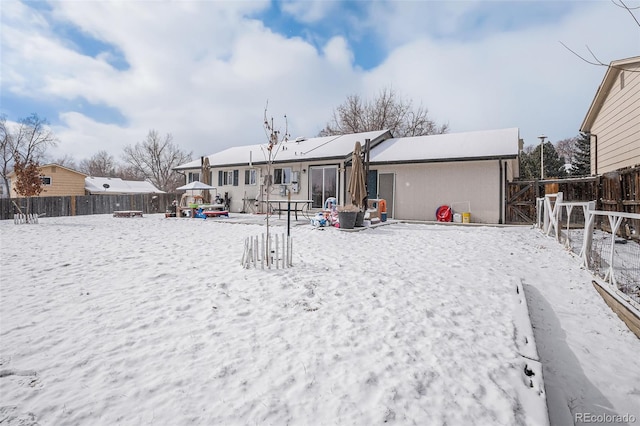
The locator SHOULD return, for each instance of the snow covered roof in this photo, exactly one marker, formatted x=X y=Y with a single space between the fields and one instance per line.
x=107 y=185
x=614 y=69
x=449 y=146
x=300 y=149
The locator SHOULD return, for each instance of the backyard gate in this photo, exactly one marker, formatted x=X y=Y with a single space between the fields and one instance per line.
x=522 y=195
x=521 y=201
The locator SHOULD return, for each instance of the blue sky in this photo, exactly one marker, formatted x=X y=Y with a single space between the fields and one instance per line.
x=104 y=73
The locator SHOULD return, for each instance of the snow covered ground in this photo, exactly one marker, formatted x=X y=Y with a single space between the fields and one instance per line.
x=154 y=321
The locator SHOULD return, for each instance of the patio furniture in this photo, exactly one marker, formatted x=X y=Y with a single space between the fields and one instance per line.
x=280 y=206
x=127 y=213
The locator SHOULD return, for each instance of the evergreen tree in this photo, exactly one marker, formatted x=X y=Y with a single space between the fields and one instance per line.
x=530 y=163
x=582 y=161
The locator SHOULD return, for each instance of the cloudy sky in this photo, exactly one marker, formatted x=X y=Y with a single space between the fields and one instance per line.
x=106 y=72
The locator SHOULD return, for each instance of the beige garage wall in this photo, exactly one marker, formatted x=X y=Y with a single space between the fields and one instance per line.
x=421 y=188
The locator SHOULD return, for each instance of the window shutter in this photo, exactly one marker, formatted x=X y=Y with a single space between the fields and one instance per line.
x=236 y=174
x=220 y=182
x=247 y=177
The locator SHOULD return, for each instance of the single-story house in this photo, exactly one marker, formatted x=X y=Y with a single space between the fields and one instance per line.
x=415 y=175
x=613 y=119
x=57 y=181
x=310 y=168
x=112 y=185
x=60 y=181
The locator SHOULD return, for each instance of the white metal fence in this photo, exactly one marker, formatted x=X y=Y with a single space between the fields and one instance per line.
x=272 y=251
x=20 y=218
x=606 y=241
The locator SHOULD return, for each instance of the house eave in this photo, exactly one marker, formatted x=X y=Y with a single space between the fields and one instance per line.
x=603 y=90
x=445 y=160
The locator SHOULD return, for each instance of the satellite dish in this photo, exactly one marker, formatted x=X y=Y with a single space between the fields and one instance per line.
x=106 y=186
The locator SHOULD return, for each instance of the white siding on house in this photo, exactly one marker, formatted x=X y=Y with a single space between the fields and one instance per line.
x=617 y=125
x=429 y=171
x=422 y=187
x=252 y=192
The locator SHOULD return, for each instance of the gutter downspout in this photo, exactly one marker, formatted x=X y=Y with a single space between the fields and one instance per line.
x=595 y=154
x=501 y=193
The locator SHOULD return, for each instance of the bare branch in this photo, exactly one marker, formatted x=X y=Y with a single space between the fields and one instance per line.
x=624 y=6
x=100 y=165
x=155 y=158
x=586 y=60
x=386 y=111
x=628 y=9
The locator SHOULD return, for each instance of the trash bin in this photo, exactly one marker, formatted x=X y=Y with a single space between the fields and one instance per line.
x=347 y=220
x=382 y=205
x=382 y=208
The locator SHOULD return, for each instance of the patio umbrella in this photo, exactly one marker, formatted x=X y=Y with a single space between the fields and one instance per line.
x=357 y=186
x=194 y=186
x=206 y=179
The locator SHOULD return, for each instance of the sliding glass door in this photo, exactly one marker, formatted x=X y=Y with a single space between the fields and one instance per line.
x=324 y=184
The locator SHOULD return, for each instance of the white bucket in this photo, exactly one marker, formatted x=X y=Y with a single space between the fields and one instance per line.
x=457 y=218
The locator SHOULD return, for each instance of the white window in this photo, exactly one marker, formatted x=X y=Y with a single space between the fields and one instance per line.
x=229 y=177
x=250 y=177
x=282 y=176
x=46 y=180
x=193 y=176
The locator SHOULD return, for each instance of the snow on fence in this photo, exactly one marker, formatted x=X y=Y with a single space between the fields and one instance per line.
x=275 y=251
x=606 y=241
x=21 y=218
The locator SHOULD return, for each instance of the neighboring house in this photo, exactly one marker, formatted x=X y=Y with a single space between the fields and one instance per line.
x=414 y=175
x=56 y=181
x=613 y=119
x=60 y=181
x=466 y=171
x=108 y=185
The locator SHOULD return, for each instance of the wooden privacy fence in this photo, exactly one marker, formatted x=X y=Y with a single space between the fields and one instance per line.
x=88 y=204
x=616 y=191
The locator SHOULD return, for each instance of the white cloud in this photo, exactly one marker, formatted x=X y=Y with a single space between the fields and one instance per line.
x=520 y=78
x=309 y=11
x=203 y=71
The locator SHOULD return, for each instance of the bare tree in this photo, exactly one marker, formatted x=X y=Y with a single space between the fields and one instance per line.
x=101 y=164
x=33 y=137
x=386 y=111
x=26 y=143
x=275 y=139
x=7 y=152
x=155 y=158
x=567 y=148
x=66 y=161
x=128 y=172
